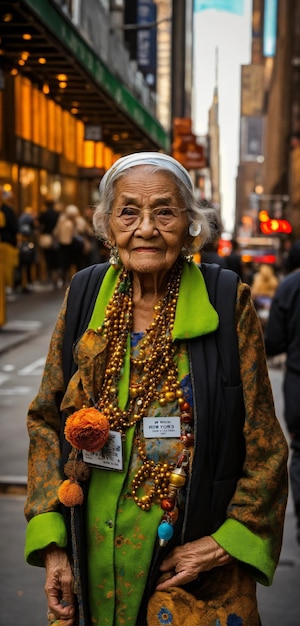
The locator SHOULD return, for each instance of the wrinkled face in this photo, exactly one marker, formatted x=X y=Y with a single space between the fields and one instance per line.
x=149 y=224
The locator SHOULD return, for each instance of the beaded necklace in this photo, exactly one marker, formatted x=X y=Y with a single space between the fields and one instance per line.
x=158 y=381
x=156 y=358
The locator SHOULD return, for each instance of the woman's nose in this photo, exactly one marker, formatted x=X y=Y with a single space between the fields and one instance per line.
x=147 y=224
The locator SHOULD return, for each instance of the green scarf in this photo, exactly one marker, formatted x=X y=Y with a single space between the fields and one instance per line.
x=195 y=315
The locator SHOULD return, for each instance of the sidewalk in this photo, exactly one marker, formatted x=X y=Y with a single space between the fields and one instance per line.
x=26 y=313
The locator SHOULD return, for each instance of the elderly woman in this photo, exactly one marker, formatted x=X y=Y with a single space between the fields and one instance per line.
x=157 y=477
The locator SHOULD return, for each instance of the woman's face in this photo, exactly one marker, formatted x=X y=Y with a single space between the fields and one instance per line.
x=146 y=225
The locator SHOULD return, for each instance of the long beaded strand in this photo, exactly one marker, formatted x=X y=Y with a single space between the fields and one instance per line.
x=158 y=381
x=156 y=359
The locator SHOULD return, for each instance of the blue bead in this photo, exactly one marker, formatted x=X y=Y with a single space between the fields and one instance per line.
x=165 y=531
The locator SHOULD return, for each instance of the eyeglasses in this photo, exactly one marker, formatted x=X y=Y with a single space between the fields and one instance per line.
x=164 y=217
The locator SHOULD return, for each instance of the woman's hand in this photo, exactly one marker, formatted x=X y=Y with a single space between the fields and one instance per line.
x=59 y=585
x=185 y=562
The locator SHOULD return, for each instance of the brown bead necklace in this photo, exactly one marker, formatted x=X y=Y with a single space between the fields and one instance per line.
x=158 y=381
x=155 y=362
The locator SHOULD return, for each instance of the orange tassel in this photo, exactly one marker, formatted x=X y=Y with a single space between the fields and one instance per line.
x=70 y=493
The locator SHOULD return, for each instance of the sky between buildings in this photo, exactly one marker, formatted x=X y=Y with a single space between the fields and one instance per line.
x=231 y=34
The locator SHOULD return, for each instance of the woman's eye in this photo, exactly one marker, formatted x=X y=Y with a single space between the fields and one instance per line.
x=129 y=211
x=164 y=211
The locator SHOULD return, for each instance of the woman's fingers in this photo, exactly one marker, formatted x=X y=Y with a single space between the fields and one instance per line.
x=187 y=561
x=59 y=586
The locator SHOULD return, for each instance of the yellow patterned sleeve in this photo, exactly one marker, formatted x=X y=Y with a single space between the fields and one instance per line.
x=259 y=501
x=43 y=424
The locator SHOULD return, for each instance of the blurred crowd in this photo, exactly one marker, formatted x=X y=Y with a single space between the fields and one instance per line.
x=264 y=279
x=48 y=247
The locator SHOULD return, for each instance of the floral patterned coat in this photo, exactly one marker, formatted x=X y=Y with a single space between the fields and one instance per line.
x=252 y=530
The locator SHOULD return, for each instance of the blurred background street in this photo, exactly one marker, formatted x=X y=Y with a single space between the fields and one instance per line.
x=23 y=346
x=215 y=84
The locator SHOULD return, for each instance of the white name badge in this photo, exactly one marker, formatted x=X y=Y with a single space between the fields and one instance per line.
x=110 y=457
x=161 y=427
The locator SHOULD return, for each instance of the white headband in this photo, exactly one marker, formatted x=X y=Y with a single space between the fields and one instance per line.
x=165 y=161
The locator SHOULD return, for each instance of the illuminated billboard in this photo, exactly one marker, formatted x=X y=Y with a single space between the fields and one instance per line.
x=270 y=27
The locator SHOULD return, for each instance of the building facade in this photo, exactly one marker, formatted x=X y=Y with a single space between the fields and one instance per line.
x=268 y=187
x=71 y=100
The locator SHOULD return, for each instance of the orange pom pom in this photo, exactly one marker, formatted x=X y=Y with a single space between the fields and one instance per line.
x=70 y=493
x=87 y=429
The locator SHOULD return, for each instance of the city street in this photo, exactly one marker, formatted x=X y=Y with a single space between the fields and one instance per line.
x=23 y=346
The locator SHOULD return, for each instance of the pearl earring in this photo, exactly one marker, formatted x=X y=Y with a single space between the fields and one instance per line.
x=195 y=229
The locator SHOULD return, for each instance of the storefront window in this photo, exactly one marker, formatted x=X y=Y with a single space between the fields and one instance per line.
x=58 y=129
x=89 y=154
x=26 y=109
x=5 y=172
x=51 y=125
x=18 y=101
x=69 y=136
x=99 y=150
x=43 y=183
x=43 y=119
x=23 y=107
x=28 y=179
x=108 y=157
x=35 y=116
x=79 y=142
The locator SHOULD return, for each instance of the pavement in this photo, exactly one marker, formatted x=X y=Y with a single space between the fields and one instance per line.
x=27 y=313
x=22 y=600
x=22 y=597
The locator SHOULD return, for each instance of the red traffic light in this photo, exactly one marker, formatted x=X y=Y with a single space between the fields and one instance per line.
x=271 y=227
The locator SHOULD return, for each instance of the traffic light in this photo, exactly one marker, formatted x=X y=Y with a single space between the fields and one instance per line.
x=272 y=227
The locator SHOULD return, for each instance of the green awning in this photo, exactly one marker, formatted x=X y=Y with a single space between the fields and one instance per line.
x=103 y=99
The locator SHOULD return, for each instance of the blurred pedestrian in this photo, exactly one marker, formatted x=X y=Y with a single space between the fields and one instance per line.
x=26 y=247
x=209 y=253
x=264 y=282
x=47 y=243
x=283 y=337
x=263 y=288
x=84 y=255
x=233 y=260
x=28 y=243
x=248 y=272
x=99 y=253
x=28 y=218
x=8 y=238
x=70 y=240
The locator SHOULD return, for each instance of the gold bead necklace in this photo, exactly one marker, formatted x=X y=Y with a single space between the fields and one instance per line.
x=156 y=362
x=158 y=381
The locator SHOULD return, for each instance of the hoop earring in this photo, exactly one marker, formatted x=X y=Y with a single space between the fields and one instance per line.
x=195 y=229
x=114 y=258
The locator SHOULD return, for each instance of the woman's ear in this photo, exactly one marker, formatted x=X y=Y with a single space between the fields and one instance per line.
x=193 y=243
x=188 y=241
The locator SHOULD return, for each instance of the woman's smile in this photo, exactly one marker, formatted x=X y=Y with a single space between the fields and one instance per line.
x=146 y=250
